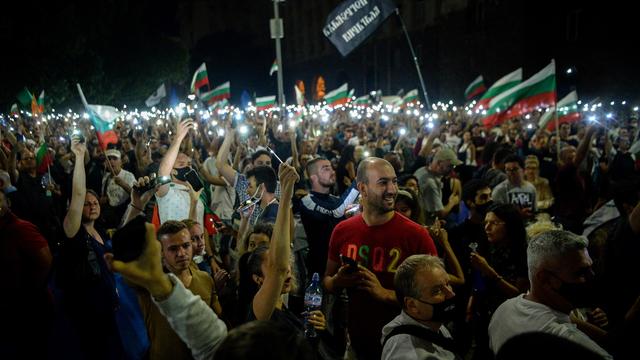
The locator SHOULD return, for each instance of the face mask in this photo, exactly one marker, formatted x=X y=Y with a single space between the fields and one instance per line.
x=182 y=173
x=578 y=294
x=482 y=209
x=444 y=311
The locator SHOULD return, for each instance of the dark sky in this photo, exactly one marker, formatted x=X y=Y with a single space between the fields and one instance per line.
x=120 y=50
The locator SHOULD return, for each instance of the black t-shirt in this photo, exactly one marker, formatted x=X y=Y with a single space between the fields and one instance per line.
x=32 y=204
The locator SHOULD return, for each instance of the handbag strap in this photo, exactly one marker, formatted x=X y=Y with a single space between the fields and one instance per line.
x=422 y=333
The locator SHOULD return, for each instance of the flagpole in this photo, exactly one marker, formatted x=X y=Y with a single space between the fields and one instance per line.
x=557 y=132
x=277 y=33
x=415 y=59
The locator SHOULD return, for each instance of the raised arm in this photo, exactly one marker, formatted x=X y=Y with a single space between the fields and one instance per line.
x=222 y=164
x=279 y=251
x=166 y=165
x=585 y=145
x=73 y=219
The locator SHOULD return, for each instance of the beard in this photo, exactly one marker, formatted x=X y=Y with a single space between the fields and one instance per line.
x=383 y=204
x=328 y=183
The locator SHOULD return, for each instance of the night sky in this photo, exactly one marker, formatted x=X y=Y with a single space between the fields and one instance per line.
x=122 y=50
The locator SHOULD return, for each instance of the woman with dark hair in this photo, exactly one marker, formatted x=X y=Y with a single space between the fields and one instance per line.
x=266 y=275
x=89 y=289
x=346 y=171
x=501 y=273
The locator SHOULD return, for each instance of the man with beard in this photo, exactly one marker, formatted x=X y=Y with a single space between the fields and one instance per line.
x=560 y=275
x=320 y=211
x=379 y=240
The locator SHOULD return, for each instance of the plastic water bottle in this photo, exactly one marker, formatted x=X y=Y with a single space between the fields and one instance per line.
x=312 y=301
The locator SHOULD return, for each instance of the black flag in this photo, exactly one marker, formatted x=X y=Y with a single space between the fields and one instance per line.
x=353 y=21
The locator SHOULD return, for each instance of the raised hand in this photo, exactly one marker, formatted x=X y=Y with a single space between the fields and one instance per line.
x=183 y=128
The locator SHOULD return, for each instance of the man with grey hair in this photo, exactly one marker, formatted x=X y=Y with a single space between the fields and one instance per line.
x=430 y=179
x=422 y=288
x=560 y=275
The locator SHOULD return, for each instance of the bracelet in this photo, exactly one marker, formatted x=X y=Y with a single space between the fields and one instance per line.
x=135 y=207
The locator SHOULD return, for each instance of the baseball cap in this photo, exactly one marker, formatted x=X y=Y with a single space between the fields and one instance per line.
x=447 y=154
x=113 y=152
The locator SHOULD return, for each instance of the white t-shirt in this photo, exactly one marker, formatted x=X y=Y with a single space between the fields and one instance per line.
x=115 y=193
x=222 y=197
x=176 y=203
x=519 y=315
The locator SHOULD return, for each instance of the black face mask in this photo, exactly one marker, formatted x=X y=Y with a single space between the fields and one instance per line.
x=482 y=209
x=444 y=311
x=578 y=294
x=182 y=173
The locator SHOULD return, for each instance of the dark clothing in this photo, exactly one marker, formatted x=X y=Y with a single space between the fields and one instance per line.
x=621 y=254
x=571 y=198
x=622 y=167
x=320 y=213
x=89 y=295
x=31 y=203
x=132 y=165
x=285 y=317
x=27 y=301
x=269 y=214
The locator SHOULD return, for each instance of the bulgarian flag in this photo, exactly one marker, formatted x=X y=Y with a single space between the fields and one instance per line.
x=200 y=79
x=537 y=91
x=14 y=110
x=219 y=104
x=41 y=102
x=363 y=100
x=218 y=94
x=567 y=109
x=102 y=117
x=338 y=96
x=274 y=67
x=475 y=88
x=505 y=83
x=410 y=97
x=265 y=102
x=43 y=159
x=24 y=97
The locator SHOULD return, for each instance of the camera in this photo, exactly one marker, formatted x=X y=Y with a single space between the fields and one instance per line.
x=128 y=241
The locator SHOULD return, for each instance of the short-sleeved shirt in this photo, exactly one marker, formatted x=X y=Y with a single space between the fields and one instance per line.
x=115 y=193
x=175 y=205
x=241 y=185
x=523 y=196
x=520 y=315
x=431 y=188
x=381 y=249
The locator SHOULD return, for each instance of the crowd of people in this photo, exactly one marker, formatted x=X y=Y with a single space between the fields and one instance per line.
x=433 y=236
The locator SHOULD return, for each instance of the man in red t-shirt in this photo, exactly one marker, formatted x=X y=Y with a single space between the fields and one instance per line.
x=379 y=240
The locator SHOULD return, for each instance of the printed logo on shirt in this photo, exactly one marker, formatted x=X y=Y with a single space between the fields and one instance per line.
x=378 y=259
x=521 y=199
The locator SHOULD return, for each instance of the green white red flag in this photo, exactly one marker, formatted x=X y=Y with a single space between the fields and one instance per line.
x=539 y=91
x=220 y=93
x=200 y=79
x=410 y=97
x=363 y=100
x=503 y=84
x=475 y=88
x=338 y=96
x=567 y=109
x=25 y=97
x=41 y=102
x=265 y=102
x=102 y=118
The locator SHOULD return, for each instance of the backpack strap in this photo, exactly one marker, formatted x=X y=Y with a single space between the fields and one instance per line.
x=424 y=334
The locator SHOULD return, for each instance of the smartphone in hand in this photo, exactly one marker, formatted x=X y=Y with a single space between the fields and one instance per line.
x=353 y=265
x=193 y=179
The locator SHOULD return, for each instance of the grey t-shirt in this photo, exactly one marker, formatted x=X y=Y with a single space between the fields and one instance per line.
x=523 y=196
